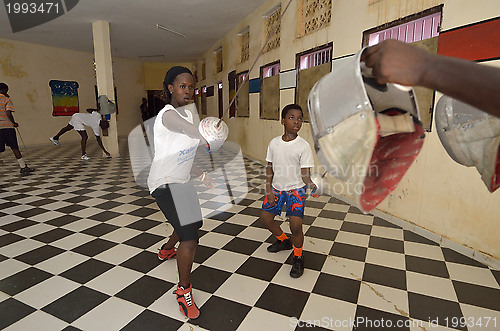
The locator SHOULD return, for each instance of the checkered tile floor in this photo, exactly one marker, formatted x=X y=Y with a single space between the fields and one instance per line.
x=78 y=244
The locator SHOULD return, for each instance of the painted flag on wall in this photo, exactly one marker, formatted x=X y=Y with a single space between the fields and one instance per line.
x=64 y=97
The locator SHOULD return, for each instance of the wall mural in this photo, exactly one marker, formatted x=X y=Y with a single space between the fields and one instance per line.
x=64 y=97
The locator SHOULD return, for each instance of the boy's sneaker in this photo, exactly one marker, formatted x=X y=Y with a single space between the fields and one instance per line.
x=297 y=267
x=26 y=170
x=166 y=254
x=85 y=157
x=55 y=142
x=186 y=303
x=280 y=245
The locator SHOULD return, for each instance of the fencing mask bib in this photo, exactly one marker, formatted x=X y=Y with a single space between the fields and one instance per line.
x=365 y=134
x=471 y=137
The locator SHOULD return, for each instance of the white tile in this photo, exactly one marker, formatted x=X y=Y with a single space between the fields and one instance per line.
x=358 y=218
x=164 y=229
x=167 y=303
x=123 y=220
x=253 y=233
x=80 y=225
x=121 y=235
x=191 y=327
x=3 y=296
x=20 y=247
x=328 y=223
x=383 y=298
x=328 y=313
x=167 y=270
x=261 y=252
x=43 y=293
x=241 y=219
x=210 y=224
x=215 y=240
x=114 y=280
x=423 y=250
x=61 y=262
x=226 y=260
x=351 y=238
x=470 y=274
x=73 y=241
x=112 y=314
x=46 y=216
x=10 y=267
x=343 y=267
x=386 y=258
x=125 y=208
x=56 y=205
x=242 y=289
x=304 y=283
x=309 y=211
x=317 y=245
x=419 y=325
x=431 y=286
x=385 y=232
x=118 y=254
x=235 y=208
x=39 y=321
x=479 y=319
x=87 y=212
x=260 y=319
x=34 y=230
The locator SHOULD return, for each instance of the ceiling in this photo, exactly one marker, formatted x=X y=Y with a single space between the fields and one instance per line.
x=133 y=27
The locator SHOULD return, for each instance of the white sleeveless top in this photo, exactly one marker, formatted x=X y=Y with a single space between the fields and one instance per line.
x=174 y=153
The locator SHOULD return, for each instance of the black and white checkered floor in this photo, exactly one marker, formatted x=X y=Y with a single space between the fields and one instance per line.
x=78 y=245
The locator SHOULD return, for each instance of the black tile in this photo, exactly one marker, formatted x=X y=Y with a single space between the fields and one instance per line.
x=83 y=192
x=258 y=224
x=245 y=202
x=70 y=328
x=31 y=212
x=373 y=319
x=208 y=279
x=309 y=325
x=110 y=196
x=385 y=276
x=220 y=216
x=452 y=256
x=355 y=210
x=9 y=204
x=337 y=215
x=410 y=236
x=71 y=209
x=241 y=245
x=53 y=235
x=381 y=222
x=17 y=225
x=63 y=220
x=337 y=287
x=432 y=309
x=14 y=197
x=315 y=204
x=203 y=253
x=12 y=311
x=3 y=258
x=51 y=194
x=142 y=202
x=387 y=244
x=252 y=211
x=321 y=233
x=94 y=247
x=308 y=220
x=313 y=261
x=273 y=300
x=143 y=224
x=104 y=216
x=144 y=240
x=145 y=290
x=477 y=295
x=356 y=227
x=108 y=205
x=221 y=314
x=75 y=304
x=496 y=274
x=212 y=204
x=426 y=266
x=152 y=321
x=77 y=199
x=348 y=251
x=23 y=280
x=86 y=271
x=143 y=262
x=229 y=228
x=39 y=254
x=9 y=238
x=100 y=229
x=41 y=202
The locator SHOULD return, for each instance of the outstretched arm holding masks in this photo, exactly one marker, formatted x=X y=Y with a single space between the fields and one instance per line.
x=397 y=62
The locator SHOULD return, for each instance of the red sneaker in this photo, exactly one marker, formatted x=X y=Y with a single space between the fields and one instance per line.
x=186 y=303
x=166 y=254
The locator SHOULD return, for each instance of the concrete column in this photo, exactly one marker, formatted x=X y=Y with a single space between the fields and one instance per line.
x=104 y=75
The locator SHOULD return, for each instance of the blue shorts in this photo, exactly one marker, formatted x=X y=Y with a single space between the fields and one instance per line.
x=295 y=200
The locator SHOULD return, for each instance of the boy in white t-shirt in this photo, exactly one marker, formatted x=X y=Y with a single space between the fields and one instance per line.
x=78 y=121
x=289 y=160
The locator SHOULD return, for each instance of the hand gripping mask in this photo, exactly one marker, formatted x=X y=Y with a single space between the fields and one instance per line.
x=365 y=134
x=471 y=137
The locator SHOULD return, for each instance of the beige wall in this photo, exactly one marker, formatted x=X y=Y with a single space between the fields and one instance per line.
x=28 y=68
x=436 y=193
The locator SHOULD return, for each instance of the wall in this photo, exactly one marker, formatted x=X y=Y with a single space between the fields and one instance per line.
x=28 y=68
x=436 y=193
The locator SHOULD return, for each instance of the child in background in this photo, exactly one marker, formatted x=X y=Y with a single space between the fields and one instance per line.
x=289 y=160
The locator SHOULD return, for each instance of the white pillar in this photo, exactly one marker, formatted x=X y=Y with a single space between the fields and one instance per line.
x=104 y=75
